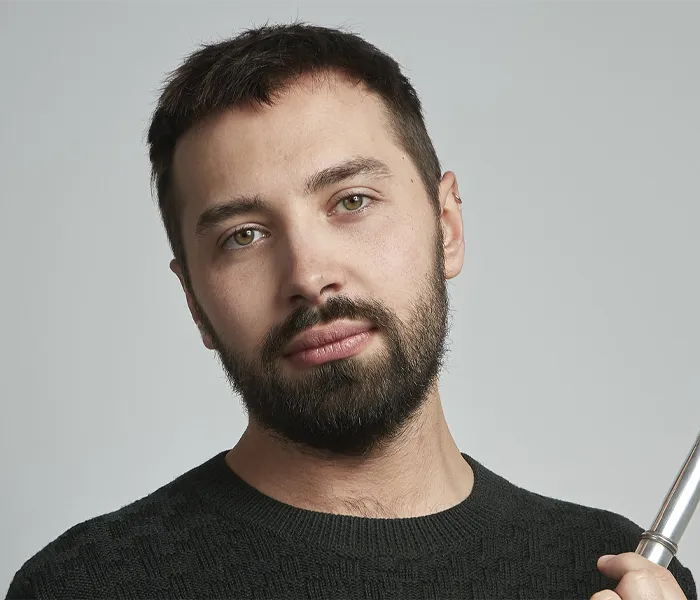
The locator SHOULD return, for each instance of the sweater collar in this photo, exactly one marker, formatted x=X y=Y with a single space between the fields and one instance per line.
x=237 y=501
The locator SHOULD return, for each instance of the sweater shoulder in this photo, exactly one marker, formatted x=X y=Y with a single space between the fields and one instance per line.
x=589 y=530
x=573 y=514
x=91 y=550
x=517 y=504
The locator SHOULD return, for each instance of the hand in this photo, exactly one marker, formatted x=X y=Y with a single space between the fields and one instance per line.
x=640 y=579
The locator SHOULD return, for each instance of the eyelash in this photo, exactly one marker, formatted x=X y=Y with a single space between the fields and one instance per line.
x=247 y=227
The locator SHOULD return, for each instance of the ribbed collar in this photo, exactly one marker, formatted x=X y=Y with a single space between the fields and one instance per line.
x=234 y=499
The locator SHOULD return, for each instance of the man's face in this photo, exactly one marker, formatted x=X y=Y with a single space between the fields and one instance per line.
x=330 y=227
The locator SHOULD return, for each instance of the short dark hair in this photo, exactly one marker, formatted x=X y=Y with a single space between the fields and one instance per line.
x=251 y=68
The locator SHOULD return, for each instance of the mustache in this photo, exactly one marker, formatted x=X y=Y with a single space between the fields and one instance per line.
x=337 y=307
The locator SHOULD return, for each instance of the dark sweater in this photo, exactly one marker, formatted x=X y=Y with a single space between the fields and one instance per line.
x=208 y=534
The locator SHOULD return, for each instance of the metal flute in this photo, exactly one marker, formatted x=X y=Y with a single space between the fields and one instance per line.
x=660 y=543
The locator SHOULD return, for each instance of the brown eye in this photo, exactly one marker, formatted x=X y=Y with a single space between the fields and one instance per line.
x=242 y=238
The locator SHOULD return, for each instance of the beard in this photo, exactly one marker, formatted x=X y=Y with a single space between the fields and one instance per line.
x=353 y=405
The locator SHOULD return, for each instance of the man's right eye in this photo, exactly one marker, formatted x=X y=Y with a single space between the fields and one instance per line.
x=242 y=237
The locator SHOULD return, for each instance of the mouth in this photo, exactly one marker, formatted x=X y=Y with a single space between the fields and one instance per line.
x=340 y=347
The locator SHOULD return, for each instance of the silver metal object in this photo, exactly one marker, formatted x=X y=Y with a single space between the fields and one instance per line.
x=660 y=543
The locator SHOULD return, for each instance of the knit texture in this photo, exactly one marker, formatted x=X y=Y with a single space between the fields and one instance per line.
x=208 y=534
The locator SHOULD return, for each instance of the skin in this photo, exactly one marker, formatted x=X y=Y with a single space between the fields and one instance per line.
x=238 y=296
x=639 y=579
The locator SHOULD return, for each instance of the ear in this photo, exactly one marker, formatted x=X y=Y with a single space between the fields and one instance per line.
x=192 y=305
x=452 y=225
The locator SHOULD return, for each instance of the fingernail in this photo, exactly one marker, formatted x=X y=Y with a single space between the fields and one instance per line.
x=603 y=559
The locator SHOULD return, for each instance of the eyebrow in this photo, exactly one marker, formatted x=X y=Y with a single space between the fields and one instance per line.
x=240 y=205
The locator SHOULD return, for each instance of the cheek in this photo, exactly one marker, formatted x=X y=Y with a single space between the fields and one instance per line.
x=235 y=309
x=401 y=253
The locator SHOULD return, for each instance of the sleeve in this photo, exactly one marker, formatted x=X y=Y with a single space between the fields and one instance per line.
x=684 y=578
x=21 y=588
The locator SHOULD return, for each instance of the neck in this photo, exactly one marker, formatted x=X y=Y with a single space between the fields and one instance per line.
x=420 y=473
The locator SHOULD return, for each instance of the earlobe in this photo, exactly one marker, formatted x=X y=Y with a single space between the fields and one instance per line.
x=175 y=268
x=206 y=340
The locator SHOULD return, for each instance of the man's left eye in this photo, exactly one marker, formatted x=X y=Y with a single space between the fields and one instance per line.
x=353 y=202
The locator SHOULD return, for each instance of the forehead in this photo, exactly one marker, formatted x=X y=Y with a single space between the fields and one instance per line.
x=271 y=150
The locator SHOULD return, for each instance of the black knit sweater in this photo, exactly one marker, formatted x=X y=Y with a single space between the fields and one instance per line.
x=208 y=534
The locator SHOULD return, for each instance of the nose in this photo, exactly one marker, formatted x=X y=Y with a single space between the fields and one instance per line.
x=312 y=269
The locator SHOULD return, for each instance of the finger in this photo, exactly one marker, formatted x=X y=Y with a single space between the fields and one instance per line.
x=621 y=564
x=640 y=585
x=605 y=595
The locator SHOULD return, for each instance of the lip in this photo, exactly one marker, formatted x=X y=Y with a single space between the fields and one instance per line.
x=321 y=336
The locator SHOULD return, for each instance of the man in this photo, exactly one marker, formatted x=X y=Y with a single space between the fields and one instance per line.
x=313 y=233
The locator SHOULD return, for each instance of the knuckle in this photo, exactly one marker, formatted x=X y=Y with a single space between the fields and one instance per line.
x=640 y=583
x=644 y=574
x=641 y=575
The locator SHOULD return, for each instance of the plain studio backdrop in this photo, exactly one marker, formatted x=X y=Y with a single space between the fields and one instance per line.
x=574 y=131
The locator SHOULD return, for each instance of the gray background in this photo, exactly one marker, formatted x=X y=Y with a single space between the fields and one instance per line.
x=574 y=131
